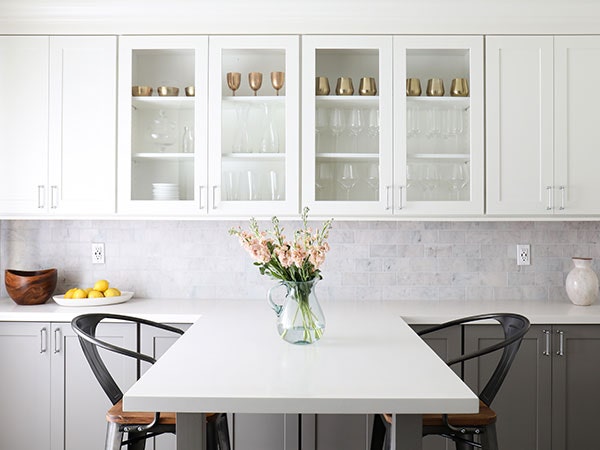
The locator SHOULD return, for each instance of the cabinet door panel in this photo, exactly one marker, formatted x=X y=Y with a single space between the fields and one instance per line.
x=24 y=386
x=23 y=124
x=577 y=61
x=519 y=124
x=523 y=403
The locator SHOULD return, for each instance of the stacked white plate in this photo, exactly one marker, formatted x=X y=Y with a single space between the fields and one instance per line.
x=165 y=191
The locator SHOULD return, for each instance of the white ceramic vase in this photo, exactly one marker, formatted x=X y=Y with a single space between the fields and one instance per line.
x=582 y=282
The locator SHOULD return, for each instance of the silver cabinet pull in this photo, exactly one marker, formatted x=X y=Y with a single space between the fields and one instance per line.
x=214 y=196
x=57 y=338
x=562 y=190
x=53 y=196
x=387 y=197
x=200 y=196
x=400 y=204
x=550 y=202
x=41 y=195
x=43 y=340
x=546 y=351
x=561 y=343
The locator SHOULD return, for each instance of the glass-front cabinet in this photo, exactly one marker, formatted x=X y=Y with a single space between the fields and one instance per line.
x=438 y=125
x=254 y=126
x=162 y=124
x=347 y=124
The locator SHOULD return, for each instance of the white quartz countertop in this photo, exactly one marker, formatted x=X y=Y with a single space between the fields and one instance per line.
x=413 y=312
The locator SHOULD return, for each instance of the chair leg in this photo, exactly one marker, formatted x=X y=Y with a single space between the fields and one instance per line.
x=489 y=439
x=463 y=445
x=223 y=432
x=114 y=437
x=139 y=444
x=378 y=434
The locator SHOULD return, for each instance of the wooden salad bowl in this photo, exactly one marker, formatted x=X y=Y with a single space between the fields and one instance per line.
x=30 y=287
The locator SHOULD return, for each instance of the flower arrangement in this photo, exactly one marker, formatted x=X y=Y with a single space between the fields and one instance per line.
x=297 y=260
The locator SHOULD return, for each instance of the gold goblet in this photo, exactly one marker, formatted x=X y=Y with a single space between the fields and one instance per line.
x=459 y=87
x=322 y=86
x=413 y=87
x=435 y=87
x=255 y=80
x=233 y=81
x=344 y=86
x=277 y=80
x=367 y=86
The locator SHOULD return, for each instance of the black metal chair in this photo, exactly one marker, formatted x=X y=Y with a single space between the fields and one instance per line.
x=139 y=426
x=461 y=428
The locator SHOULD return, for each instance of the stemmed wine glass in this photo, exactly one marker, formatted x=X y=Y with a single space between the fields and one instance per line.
x=324 y=180
x=373 y=178
x=347 y=178
x=336 y=125
x=255 y=81
x=320 y=125
x=457 y=179
x=233 y=81
x=355 y=125
x=277 y=80
x=431 y=180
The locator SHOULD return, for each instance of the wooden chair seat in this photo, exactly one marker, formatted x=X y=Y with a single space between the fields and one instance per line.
x=116 y=415
x=485 y=416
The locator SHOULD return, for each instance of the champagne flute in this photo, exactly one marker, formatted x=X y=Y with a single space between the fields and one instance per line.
x=347 y=178
x=277 y=80
x=233 y=81
x=255 y=81
x=336 y=125
x=355 y=125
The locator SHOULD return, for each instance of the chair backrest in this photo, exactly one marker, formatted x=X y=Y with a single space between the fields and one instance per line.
x=514 y=326
x=85 y=327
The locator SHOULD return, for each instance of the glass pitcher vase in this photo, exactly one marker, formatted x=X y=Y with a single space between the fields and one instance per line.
x=300 y=319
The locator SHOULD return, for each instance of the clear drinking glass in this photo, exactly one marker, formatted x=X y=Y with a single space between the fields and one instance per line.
x=269 y=142
x=241 y=140
x=373 y=178
x=323 y=179
x=355 y=125
x=336 y=125
x=347 y=178
x=320 y=124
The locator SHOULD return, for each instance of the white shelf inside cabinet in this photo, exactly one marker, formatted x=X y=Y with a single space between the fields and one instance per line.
x=371 y=101
x=232 y=100
x=451 y=156
x=163 y=156
x=254 y=156
x=162 y=102
x=464 y=102
x=366 y=157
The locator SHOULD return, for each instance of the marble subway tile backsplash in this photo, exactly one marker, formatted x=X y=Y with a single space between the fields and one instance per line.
x=368 y=260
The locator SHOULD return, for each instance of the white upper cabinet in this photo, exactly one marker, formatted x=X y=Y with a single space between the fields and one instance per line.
x=162 y=137
x=438 y=125
x=253 y=159
x=347 y=124
x=58 y=125
x=519 y=118
x=576 y=127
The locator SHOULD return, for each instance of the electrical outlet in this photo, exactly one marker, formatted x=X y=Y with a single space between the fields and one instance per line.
x=97 y=253
x=523 y=255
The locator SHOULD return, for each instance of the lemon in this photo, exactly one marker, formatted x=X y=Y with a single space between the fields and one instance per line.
x=95 y=294
x=88 y=290
x=70 y=292
x=112 y=292
x=79 y=293
x=101 y=285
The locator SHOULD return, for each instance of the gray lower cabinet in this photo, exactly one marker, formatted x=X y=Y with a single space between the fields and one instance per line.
x=52 y=400
x=548 y=398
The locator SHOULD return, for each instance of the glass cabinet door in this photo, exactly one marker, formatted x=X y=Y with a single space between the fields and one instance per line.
x=162 y=133
x=346 y=121
x=253 y=138
x=438 y=92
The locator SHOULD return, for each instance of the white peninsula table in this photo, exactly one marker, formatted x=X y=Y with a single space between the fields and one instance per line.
x=368 y=361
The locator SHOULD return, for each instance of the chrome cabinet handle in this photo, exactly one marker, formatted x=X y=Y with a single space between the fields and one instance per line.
x=546 y=351
x=550 y=202
x=214 y=196
x=43 y=340
x=388 y=189
x=200 y=196
x=41 y=195
x=561 y=343
x=57 y=337
x=53 y=196
x=562 y=197
x=400 y=204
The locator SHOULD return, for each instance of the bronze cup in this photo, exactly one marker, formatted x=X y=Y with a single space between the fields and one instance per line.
x=459 y=87
x=435 y=87
x=344 y=86
x=322 y=86
x=367 y=86
x=413 y=87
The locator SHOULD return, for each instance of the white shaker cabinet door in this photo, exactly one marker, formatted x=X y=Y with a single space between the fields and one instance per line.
x=576 y=130
x=519 y=124
x=82 y=118
x=23 y=124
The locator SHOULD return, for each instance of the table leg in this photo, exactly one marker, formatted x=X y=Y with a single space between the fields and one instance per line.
x=191 y=431
x=407 y=431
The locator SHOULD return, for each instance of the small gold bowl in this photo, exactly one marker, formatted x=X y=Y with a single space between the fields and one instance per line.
x=168 y=91
x=141 y=91
x=190 y=91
